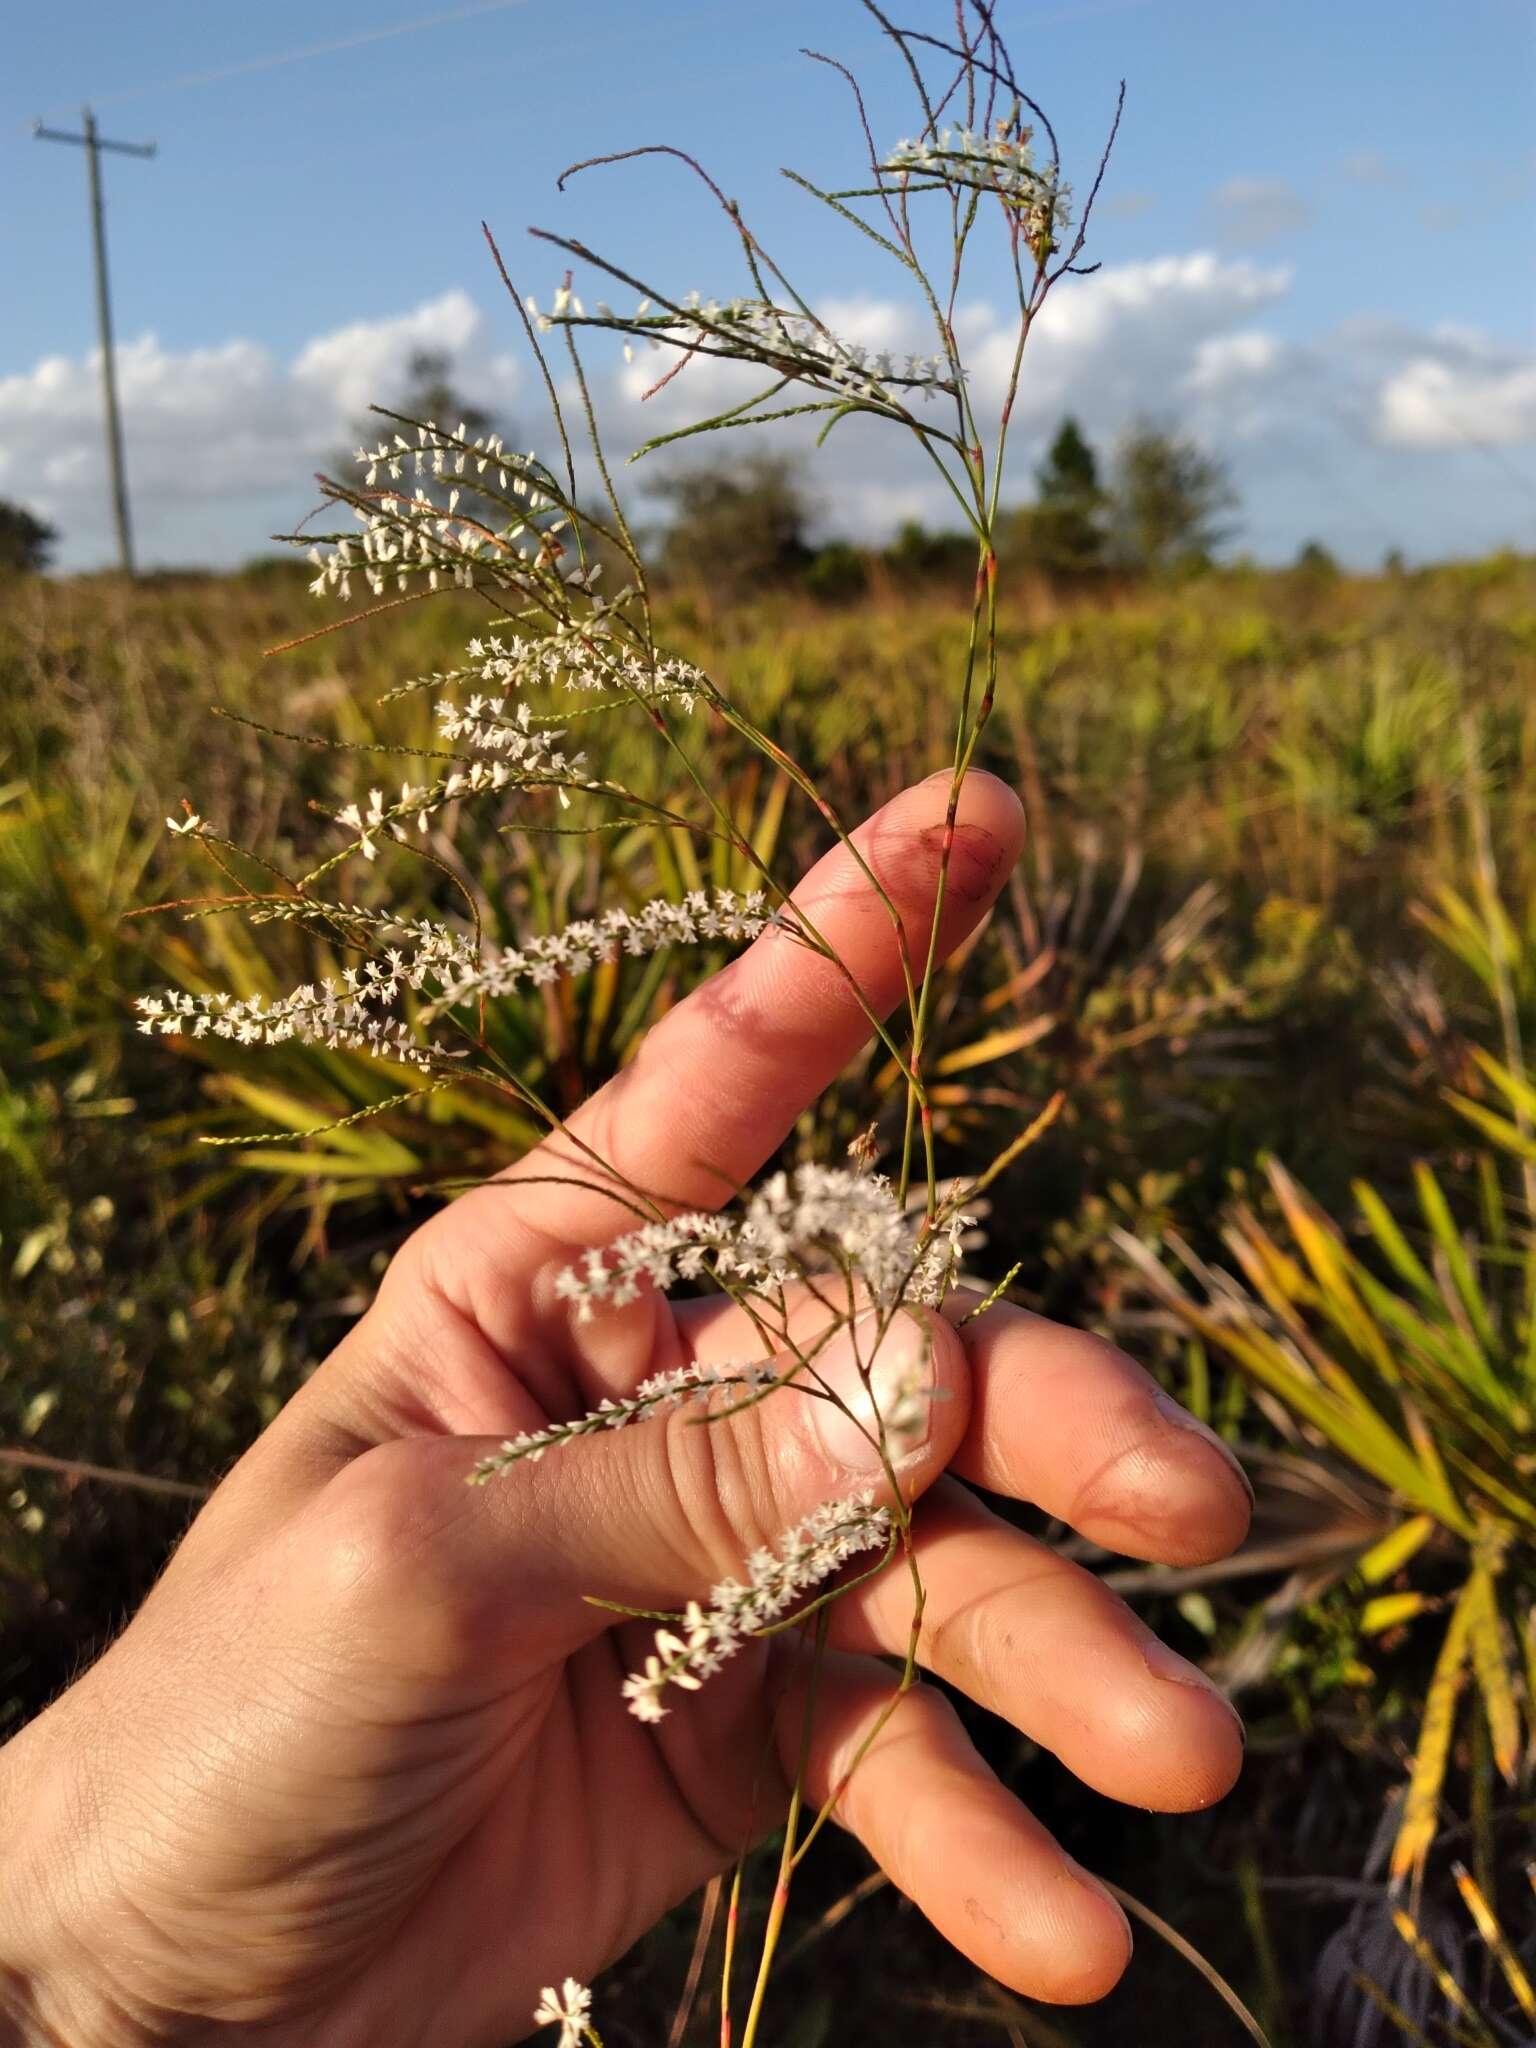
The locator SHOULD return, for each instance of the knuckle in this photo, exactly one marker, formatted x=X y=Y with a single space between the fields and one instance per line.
x=1128 y=1485
x=721 y=1497
x=972 y=1639
x=374 y=1566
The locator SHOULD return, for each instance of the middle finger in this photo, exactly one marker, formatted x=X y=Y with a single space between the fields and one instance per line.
x=1041 y=1642
x=1065 y=1421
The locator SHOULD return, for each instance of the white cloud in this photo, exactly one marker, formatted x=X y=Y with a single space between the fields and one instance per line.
x=1253 y=211
x=1359 y=436
x=219 y=440
x=1227 y=361
x=1110 y=346
x=1437 y=401
x=354 y=365
x=1120 y=342
x=1368 y=167
x=1302 y=423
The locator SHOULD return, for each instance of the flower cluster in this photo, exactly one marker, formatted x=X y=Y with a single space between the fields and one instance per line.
x=655 y=1396
x=792 y=343
x=700 y=916
x=569 y=2009
x=580 y=658
x=795 y=1224
x=399 y=541
x=528 y=748
x=533 y=761
x=354 y=919
x=1001 y=162
x=405 y=536
x=706 y=1635
x=439 y=453
x=821 y=1213
x=343 y=1012
x=340 y=1013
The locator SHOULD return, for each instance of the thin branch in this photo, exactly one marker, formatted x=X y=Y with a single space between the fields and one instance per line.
x=109 y=1475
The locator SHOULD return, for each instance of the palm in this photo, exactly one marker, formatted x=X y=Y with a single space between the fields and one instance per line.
x=545 y=1773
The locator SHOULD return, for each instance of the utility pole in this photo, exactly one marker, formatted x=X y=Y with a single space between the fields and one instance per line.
x=93 y=144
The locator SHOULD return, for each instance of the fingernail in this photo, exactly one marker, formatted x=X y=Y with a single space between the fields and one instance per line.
x=1168 y=1664
x=882 y=1390
x=1180 y=1417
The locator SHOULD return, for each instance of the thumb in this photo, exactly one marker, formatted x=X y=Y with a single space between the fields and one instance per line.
x=652 y=1514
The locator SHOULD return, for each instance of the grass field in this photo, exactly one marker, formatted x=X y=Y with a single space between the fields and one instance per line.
x=1279 y=904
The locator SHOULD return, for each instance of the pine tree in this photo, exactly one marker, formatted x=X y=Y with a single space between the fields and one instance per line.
x=1065 y=532
x=26 y=542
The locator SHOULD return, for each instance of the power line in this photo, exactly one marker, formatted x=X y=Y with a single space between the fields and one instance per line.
x=335 y=48
x=93 y=144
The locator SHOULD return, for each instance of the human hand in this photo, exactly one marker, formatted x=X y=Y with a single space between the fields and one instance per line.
x=359 y=1771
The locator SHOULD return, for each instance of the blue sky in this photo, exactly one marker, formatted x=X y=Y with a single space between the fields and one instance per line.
x=1318 y=235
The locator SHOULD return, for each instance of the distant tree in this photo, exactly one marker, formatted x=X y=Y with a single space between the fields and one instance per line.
x=736 y=531
x=1066 y=531
x=916 y=555
x=1167 y=501
x=837 y=573
x=429 y=392
x=1316 y=561
x=26 y=542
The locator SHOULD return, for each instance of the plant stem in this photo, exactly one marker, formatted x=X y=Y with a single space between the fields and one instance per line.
x=787 y=1857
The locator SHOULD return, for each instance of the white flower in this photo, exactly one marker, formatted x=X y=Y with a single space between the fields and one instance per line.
x=812 y=1220
x=664 y=1390
x=706 y=1635
x=343 y=1012
x=569 y=2009
x=579 y=656
x=700 y=916
x=191 y=825
x=529 y=760
x=417 y=535
x=529 y=749
x=340 y=1013
x=1001 y=162
x=792 y=342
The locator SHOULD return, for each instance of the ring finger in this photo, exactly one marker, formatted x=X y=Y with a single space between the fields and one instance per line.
x=986 y=1873
x=1038 y=1640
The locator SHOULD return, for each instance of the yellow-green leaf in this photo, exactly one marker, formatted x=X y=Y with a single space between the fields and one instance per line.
x=1450 y=1989
x=1485 y=1639
x=1421 y=1807
x=1395 y=1550
x=1437 y=1215
x=1391 y=1610
x=995 y=1045
x=1495 y=1940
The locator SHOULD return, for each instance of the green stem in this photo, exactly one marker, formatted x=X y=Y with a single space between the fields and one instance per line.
x=732 y=1924
x=787 y=1856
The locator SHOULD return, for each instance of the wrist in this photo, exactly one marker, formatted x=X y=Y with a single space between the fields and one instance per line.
x=54 y=1990
x=48 y=2001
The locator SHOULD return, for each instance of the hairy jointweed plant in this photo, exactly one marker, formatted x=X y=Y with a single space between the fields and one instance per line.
x=571 y=641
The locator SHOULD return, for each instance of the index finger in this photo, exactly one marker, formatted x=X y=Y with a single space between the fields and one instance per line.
x=718 y=1084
